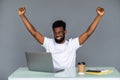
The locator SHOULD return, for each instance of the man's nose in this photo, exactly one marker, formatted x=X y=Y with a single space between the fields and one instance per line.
x=57 y=34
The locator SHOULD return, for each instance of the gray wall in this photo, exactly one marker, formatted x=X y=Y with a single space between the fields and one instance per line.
x=101 y=49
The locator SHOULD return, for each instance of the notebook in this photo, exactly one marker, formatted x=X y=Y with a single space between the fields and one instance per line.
x=40 y=61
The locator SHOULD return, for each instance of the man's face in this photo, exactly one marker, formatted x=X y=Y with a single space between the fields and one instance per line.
x=59 y=34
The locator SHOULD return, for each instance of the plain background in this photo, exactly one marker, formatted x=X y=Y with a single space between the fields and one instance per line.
x=101 y=49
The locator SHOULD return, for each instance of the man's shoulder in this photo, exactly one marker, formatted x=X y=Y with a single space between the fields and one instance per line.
x=49 y=39
x=72 y=39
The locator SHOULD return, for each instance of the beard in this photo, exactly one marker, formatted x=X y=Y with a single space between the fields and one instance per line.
x=60 y=40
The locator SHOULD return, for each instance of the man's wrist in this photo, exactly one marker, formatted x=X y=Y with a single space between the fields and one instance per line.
x=22 y=15
x=99 y=15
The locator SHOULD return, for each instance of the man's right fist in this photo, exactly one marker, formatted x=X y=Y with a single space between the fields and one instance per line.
x=100 y=11
x=21 y=11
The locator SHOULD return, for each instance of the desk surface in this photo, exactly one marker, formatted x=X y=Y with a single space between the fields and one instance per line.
x=24 y=73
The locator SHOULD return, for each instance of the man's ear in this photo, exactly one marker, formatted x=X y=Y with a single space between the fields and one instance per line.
x=65 y=31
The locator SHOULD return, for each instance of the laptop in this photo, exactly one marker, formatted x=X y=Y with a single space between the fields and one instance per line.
x=40 y=61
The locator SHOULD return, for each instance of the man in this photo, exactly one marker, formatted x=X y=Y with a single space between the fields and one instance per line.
x=63 y=51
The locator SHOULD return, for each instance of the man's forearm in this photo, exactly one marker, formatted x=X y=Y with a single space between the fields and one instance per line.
x=93 y=25
x=90 y=30
x=28 y=25
x=38 y=36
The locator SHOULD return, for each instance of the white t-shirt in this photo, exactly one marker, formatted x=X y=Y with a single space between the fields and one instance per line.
x=64 y=55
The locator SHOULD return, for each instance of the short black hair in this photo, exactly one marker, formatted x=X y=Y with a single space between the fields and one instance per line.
x=59 y=23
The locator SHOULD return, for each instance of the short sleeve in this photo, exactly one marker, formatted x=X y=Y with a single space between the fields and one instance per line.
x=74 y=43
x=47 y=42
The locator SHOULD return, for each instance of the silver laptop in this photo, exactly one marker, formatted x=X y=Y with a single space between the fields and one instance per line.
x=40 y=61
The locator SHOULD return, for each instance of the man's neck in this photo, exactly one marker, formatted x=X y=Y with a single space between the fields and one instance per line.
x=61 y=42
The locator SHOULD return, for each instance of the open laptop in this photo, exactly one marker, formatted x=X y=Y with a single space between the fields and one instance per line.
x=40 y=61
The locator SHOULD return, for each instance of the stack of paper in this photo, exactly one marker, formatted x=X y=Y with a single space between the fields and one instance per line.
x=99 y=72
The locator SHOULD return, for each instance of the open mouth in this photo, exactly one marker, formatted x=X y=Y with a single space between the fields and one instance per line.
x=58 y=38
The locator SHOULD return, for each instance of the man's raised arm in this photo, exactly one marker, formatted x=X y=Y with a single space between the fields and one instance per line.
x=92 y=27
x=38 y=36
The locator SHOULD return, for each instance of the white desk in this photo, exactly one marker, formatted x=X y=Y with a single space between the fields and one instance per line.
x=69 y=74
